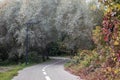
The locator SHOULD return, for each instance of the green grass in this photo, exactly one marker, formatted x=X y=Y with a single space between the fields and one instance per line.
x=8 y=75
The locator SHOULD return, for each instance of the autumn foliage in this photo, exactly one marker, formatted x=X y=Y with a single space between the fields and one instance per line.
x=102 y=63
x=111 y=24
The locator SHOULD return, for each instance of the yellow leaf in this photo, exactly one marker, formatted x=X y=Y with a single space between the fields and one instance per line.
x=116 y=71
x=116 y=43
x=114 y=59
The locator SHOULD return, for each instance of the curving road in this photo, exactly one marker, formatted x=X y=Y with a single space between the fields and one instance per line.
x=51 y=70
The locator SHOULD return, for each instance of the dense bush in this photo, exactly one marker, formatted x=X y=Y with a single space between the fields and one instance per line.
x=103 y=63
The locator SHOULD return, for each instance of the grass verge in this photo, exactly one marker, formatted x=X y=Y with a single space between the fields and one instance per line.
x=8 y=75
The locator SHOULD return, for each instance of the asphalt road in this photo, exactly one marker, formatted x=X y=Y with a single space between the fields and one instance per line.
x=51 y=70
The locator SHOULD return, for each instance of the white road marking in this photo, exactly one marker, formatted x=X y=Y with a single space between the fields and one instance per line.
x=47 y=78
x=44 y=73
x=44 y=70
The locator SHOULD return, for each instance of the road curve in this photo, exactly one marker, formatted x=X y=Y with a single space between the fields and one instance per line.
x=51 y=70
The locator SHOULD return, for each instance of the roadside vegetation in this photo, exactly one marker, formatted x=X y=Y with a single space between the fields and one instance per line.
x=103 y=62
x=8 y=72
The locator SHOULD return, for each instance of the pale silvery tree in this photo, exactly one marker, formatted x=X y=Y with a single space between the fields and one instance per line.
x=36 y=13
x=73 y=18
x=48 y=21
x=58 y=16
x=9 y=13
